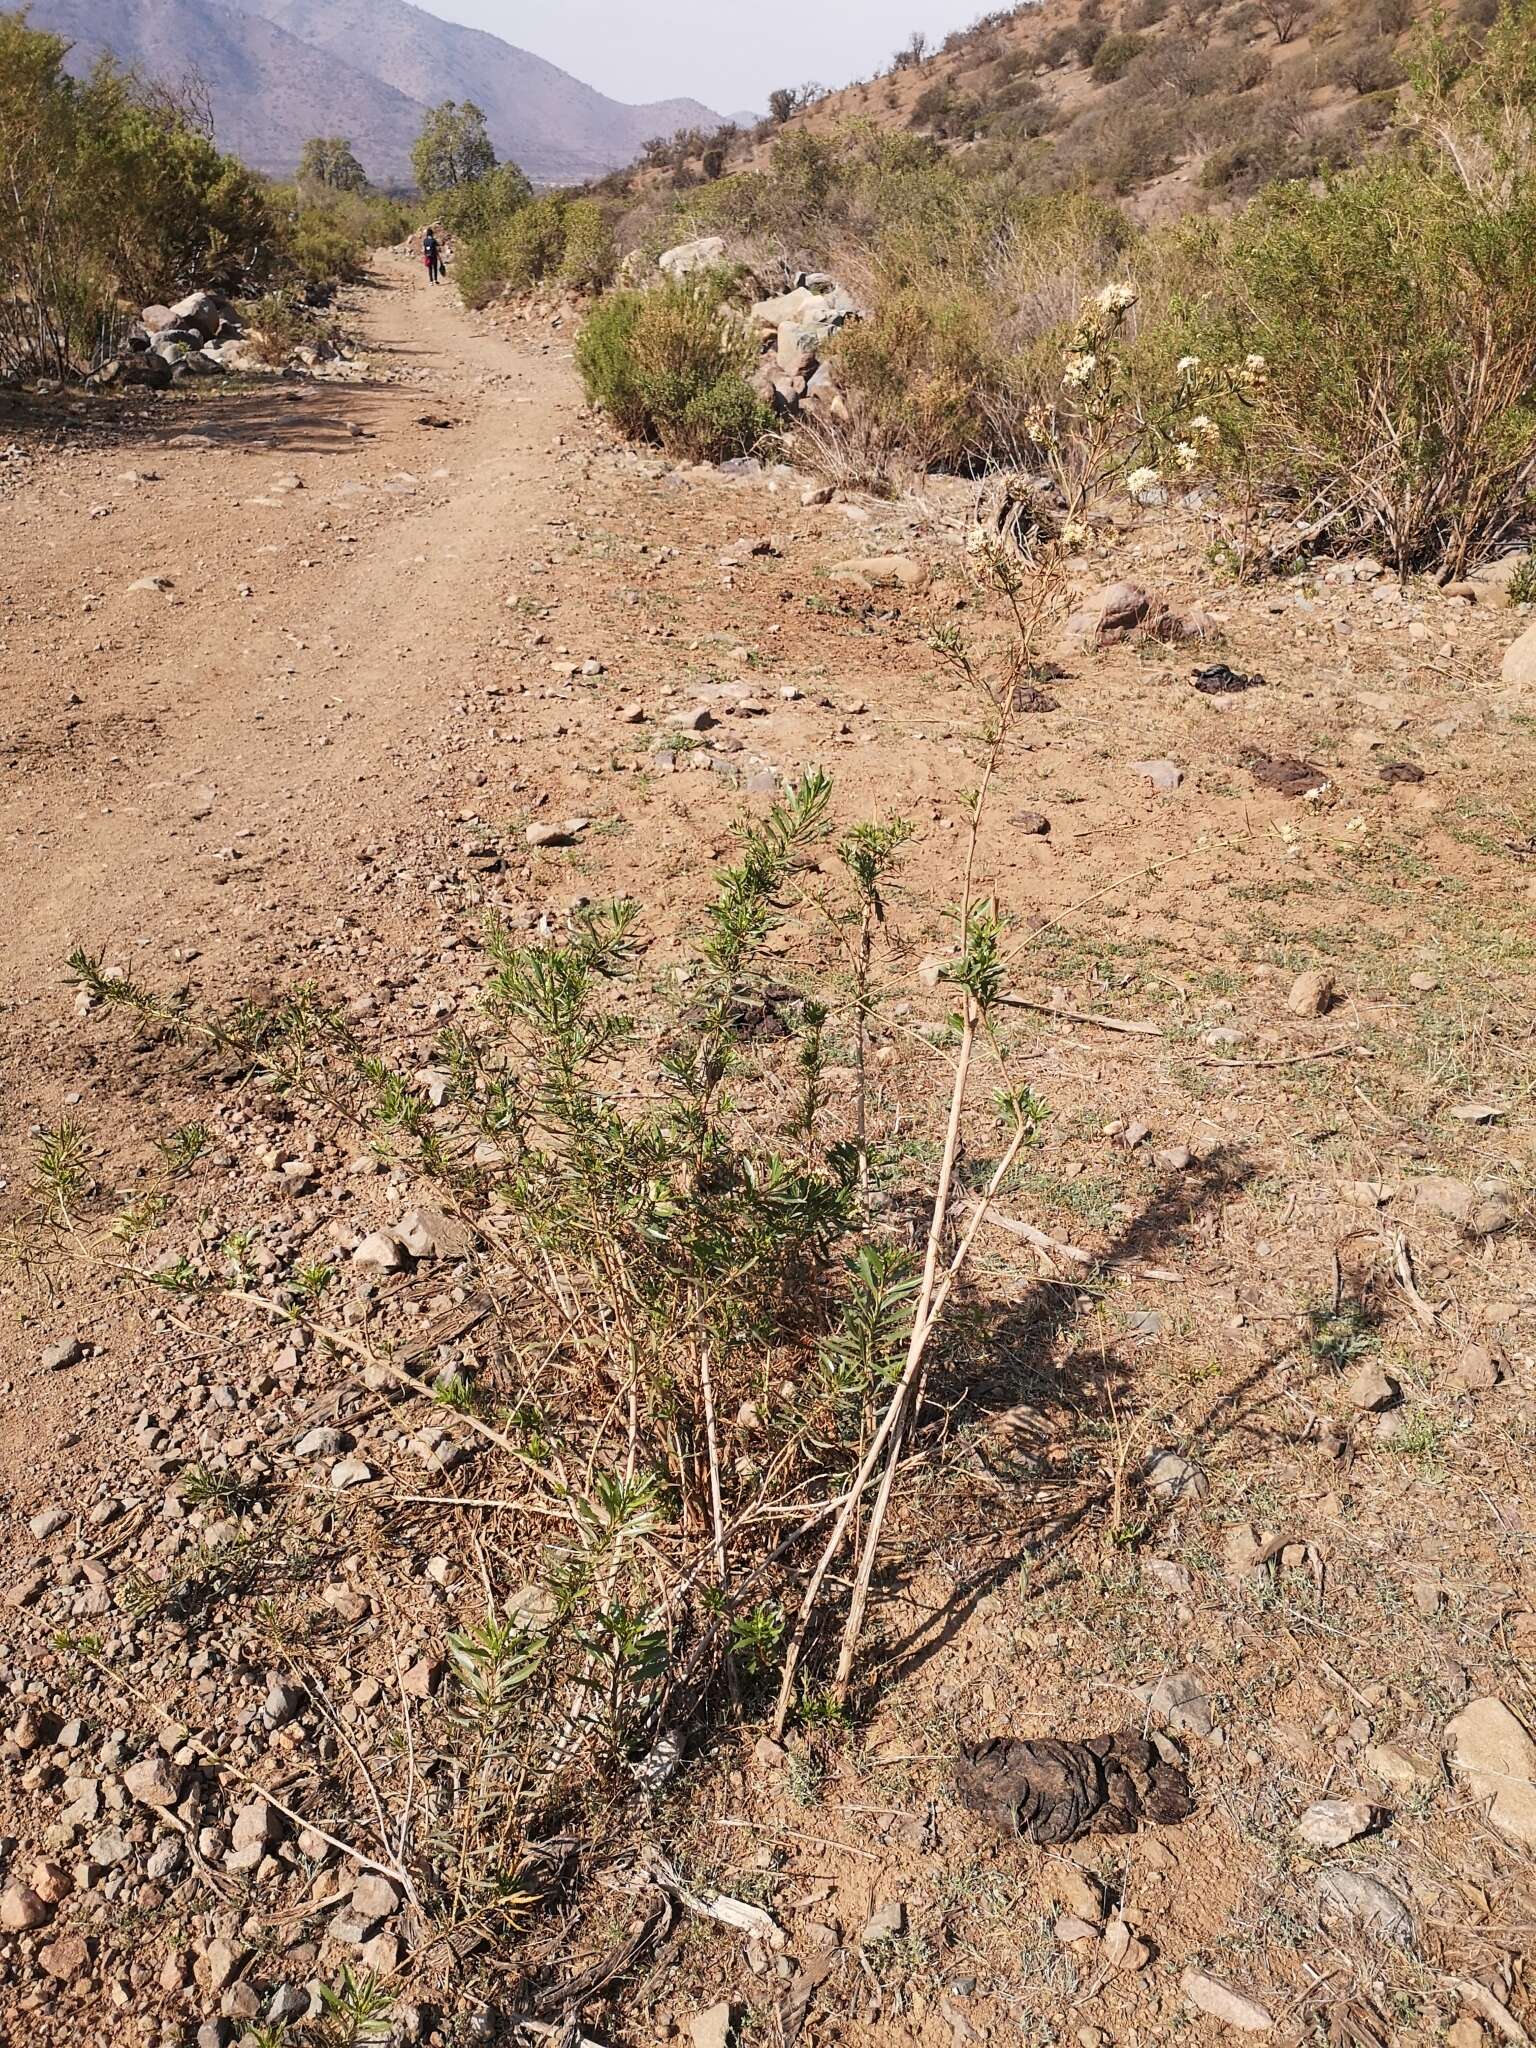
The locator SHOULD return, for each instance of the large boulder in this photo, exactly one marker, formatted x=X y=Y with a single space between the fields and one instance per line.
x=155 y=317
x=799 y=346
x=176 y=340
x=703 y=254
x=1490 y=584
x=1519 y=670
x=1109 y=614
x=200 y=310
x=147 y=368
x=832 y=306
x=824 y=398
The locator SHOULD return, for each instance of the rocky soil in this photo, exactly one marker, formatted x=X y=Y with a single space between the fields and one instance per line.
x=299 y=679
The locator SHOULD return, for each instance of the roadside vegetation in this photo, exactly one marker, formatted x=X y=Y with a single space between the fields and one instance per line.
x=113 y=194
x=1377 y=284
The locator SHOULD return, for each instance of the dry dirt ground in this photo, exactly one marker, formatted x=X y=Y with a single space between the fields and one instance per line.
x=304 y=755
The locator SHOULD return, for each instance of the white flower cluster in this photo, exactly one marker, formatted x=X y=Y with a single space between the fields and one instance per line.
x=1140 y=481
x=1115 y=300
x=1078 y=370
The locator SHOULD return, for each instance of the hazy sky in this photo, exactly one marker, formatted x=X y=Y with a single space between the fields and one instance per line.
x=728 y=53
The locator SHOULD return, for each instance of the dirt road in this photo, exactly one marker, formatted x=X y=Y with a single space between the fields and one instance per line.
x=282 y=703
x=189 y=765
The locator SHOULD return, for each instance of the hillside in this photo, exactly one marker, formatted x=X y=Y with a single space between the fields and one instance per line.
x=1165 y=105
x=278 y=71
x=268 y=90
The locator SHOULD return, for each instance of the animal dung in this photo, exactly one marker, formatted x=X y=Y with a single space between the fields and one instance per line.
x=1052 y=1791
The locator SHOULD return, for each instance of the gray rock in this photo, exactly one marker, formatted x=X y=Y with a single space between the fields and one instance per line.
x=154 y=1781
x=48 y=1523
x=1352 y=1897
x=703 y=253
x=200 y=311
x=69 y=1351
x=258 y=1824
x=714 y=2027
x=283 y=1703
x=1180 y=1698
x=380 y=1251
x=1219 y=2001
x=886 y=1923
x=110 y=1848
x=1164 y=776
x=1169 y=1478
x=1519 y=667
x=1372 y=1389
x=374 y=1897
x=565 y=834
x=321 y=1443
x=1330 y=1823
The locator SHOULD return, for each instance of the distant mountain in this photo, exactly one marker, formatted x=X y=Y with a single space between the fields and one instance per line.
x=279 y=71
x=557 y=128
x=270 y=91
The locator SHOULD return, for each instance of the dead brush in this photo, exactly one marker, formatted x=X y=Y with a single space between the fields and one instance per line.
x=723 y=1351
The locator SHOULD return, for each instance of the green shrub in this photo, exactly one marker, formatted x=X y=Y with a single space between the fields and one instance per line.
x=671 y=365
x=928 y=374
x=535 y=241
x=1396 y=313
x=274 y=326
x=1115 y=56
x=589 y=256
x=480 y=270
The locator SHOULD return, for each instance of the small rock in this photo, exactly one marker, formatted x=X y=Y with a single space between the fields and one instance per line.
x=221 y=1959
x=1519 y=668
x=1169 y=1478
x=1351 y=1896
x=1069 y=1929
x=21 y=1908
x=154 y=1781
x=283 y=1703
x=556 y=835
x=1219 y=2001
x=1163 y=775
x=320 y=1443
x=1478 y=1369
x=258 y=1824
x=1372 y=1389
x=715 y=2027
x=1180 y=1698
x=1394 y=1767
x=380 y=1251
x=886 y=1923
x=48 y=1523
x=349 y=1473
x=58 y=1356
x=1330 y=1823
x=1494 y=1752
x=374 y=1897
x=1465 y=2033
x=52 y=1882
x=881 y=572
x=67 y=1958
x=110 y=1848
x=1311 y=994
x=1035 y=823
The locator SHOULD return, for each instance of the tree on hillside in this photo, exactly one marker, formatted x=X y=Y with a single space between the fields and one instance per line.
x=329 y=160
x=781 y=104
x=453 y=149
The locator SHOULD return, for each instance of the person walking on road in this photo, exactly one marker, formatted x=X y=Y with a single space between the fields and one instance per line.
x=431 y=255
